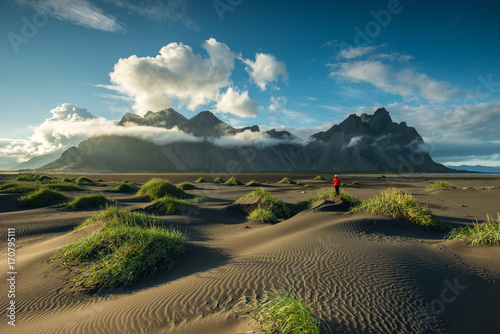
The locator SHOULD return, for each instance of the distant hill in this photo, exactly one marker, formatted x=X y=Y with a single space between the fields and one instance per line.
x=366 y=143
x=477 y=168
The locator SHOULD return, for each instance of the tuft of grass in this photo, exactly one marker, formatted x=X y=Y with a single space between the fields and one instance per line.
x=319 y=177
x=112 y=216
x=263 y=215
x=42 y=197
x=219 y=180
x=19 y=186
x=126 y=248
x=325 y=194
x=355 y=182
x=186 y=186
x=268 y=201
x=157 y=188
x=287 y=180
x=83 y=181
x=284 y=312
x=125 y=187
x=253 y=183
x=66 y=179
x=308 y=187
x=89 y=201
x=441 y=185
x=60 y=186
x=400 y=203
x=233 y=181
x=200 y=180
x=169 y=205
x=486 y=233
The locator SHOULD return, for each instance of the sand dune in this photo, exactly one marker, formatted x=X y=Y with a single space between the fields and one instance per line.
x=363 y=273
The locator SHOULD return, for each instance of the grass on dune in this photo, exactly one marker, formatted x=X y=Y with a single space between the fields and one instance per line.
x=125 y=187
x=200 y=180
x=61 y=186
x=12 y=186
x=83 y=181
x=88 y=201
x=19 y=186
x=112 y=216
x=42 y=197
x=287 y=180
x=319 y=177
x=169 y=205
x=157 y=188
x=268 y=202
x=441 y=185
x=186 y=186
x=233 y=182
x=219 y=180
x=125 y=249
x=253 y=183
x=486 y=233
x=326 y=194
x=284 y=312
x=263 y=215
x=399 y=203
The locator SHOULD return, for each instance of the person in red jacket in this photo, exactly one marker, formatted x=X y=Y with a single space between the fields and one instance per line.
x=336 y=184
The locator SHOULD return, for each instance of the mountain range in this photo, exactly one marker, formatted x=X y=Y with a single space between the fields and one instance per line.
x=366 y=143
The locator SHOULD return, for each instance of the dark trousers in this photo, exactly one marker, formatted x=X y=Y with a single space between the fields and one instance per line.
x=337 y=191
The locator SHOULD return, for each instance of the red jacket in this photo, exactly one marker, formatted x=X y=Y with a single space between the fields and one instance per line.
x=336 y=181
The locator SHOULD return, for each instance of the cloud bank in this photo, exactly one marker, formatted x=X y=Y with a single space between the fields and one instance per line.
x=390 y=73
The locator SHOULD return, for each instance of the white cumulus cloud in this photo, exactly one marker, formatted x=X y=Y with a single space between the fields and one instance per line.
x=176 y=73
x=236 y=103
x=265 y=69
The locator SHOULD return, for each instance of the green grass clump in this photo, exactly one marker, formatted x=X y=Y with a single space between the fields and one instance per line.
x=399 y=203
x=200 y=180
x=268 y=201
x=325 y=194
x=219 y=180
x=233 y=181
x=60 y=186
x=441 y=185
x=319 y=177
x=19 y=186
x=169 y=205
x=66 y=179
x=287 y=180
x=83 y=181
x=284 y=312
x=126 y=248
x=355 y=182
x=42 y=197
x=157 y=188
x=113 y=216
x=89 y=201
x=125 y=187
x=263 y=215
x=186 y=186
x=487 y=233
x=308 y=186
x=253 y=183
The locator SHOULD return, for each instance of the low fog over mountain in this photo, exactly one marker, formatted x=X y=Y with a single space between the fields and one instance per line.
x=359 y=143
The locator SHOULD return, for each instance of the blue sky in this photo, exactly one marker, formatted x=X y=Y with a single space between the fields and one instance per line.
x=302 y=66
